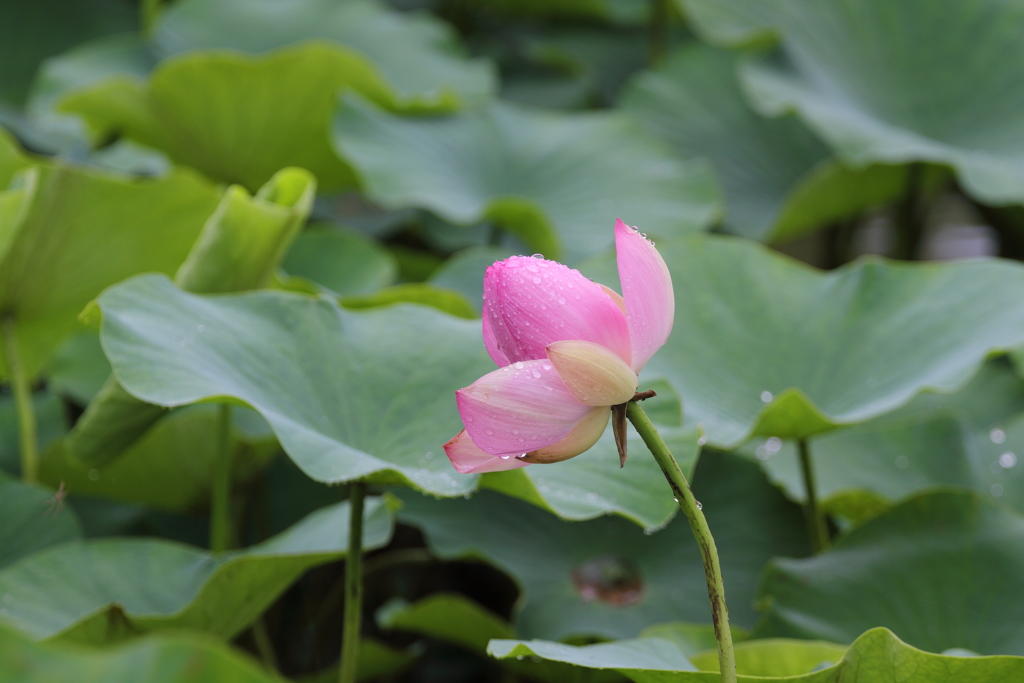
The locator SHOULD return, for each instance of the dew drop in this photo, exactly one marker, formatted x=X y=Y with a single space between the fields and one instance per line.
x=699 y=506
x=536 y=280
x=519 y=365
x=489 y=432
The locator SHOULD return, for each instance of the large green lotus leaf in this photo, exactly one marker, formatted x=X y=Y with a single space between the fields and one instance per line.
x=970 y=438
x=454 y=618
x=108 y=589
x=776 y=657
x=614 y=11
x=558 y=181
x=342 y=261
x=605 y=577
x=48 y=265
x=733 y=22
x=154 y=659
x=237 y=118
x=32 y=31
x=419 y=56
x=171 y=466
x=779 y=179
x=894 y=81
x=31 y=519
x=877 y=656
x=447 y=300
x=773 y=347
x=943 y=569
x=349 y=394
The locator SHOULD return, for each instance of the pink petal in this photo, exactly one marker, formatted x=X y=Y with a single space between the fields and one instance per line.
x=647 y=289
x=584 y=435
x=467 y=457
x=594 y=375
x=492 y=345
x=519 y=408
x=533 y=302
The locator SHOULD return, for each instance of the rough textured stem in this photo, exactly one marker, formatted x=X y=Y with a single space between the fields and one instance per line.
x=691 y=508
x=910 y=212
x=264 y=644
x=220 y=485
x=353 y=587
x=817 y=527
x=22 y=388
x=658 y=30
x=147 y=15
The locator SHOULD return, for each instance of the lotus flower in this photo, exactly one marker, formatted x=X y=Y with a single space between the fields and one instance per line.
x=568 y=349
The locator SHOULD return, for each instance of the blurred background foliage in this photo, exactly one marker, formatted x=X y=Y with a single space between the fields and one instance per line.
x=361 y=162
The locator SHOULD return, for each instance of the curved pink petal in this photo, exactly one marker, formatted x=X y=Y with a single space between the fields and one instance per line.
x=647 y=290
x=531 y=302
x=594 y=375
x=582 y=437
x=467 y=458
x=519 y=408
x=491 y=344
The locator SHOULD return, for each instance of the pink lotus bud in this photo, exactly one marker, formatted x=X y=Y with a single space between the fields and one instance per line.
x=568 y=348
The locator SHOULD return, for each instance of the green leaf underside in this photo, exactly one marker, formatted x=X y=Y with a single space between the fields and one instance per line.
x=558 y=181
x=972 y=438
x=109 y=589
x=776 y=657
x=779 y=179
x=899 y=86
x=877 y=656
x=47 y=272
x=32 y=521
x=541 y=553
x=171 y=466
x=159 y=659
x=831 y=348
x=451 y=617
x=943 y=569
x=338 y=387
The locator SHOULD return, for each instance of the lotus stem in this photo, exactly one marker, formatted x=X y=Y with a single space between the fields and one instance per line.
x=220 y=491
x=817 y=525
x=22 y=389
x=699 y=525
x=353 y=615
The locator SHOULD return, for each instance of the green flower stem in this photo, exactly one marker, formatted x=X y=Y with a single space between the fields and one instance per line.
x=657 y=29
x=220 y=494
x=817 y=526
x=691 y=508
x=353 y=587
x=22 y=400
x=147 y=15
